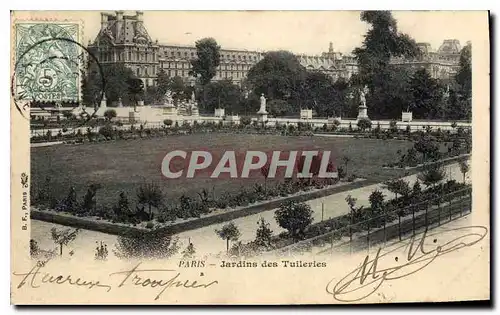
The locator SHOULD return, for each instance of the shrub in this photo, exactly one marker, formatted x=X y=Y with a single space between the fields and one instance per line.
x=146 y=245
x=245 y=120
x=364 y=123
x=110 y=114
x=294 y=217
x=229 y=232
x=106 y=131
x=149 y=225
x=393 y=126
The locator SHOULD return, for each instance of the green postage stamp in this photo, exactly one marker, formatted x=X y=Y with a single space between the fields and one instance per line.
x=48 y=59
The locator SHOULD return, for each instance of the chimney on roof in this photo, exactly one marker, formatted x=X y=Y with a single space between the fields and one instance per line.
x=119 y=15
x=330 y=48
x=104 y=20
x=139 y=15
x=119 y=24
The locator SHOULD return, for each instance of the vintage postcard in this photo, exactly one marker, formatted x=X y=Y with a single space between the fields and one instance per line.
x=250 y=157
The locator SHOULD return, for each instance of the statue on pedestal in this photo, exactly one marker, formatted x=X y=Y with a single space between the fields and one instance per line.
x=168 y=99
x=363 y=110
x=362 y=95
x=262 y=109
x=194 y=106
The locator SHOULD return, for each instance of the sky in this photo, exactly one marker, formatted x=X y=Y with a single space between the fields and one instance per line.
x=306 y=32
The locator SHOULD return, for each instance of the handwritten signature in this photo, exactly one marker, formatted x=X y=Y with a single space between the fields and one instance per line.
x=367 y=278
x=36 y=277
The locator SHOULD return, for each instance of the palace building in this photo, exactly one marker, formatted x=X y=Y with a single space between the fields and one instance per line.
x=124 y=39
x=442 y=64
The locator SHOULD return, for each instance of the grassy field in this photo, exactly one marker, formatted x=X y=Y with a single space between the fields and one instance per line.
x=124 y=165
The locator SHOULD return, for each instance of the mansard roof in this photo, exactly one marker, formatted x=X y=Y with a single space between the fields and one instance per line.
x=450 y=46
x=123 y=29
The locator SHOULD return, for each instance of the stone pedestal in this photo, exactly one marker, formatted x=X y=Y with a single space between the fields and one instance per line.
x=406 y=116
x=103 y=102
x=363 y=112
x=306 y=114
x=133 y=117
x=219 y=112
x=263 y=118
x=182 y=110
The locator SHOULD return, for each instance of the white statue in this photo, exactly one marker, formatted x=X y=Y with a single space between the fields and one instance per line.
x=168 y=99
x=262 y=104
x=362 y=95
x=193 y=98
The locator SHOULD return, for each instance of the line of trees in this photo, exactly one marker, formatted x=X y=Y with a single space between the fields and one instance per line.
x=289 y=86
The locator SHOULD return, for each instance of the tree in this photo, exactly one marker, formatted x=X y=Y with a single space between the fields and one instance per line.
x=189 y=252
x=317 y=93
x=69 y=204
x=279 y=108
x=263 y=234
x=279 y=75
x=109 y=114
x=135 y=90
x=229 y=232
x=178 y=88
x=464 y=168
x=207 y=60
x=34 y=248
x=205 y=64
x=432 y=174
x=398 y=187
x=464 y=73
x=163 y=82
x=376 y=201
x=89 y=200
x=222 y=94
x=339 y=102
x=294 y=217
x=116 y=76
x=122 y=208
x=154 y=244
x=425 y=96
x=151 y=195
x=383 y=42
x=427 y=147
x=63 y=237
x=355 y=212
x=416 y=190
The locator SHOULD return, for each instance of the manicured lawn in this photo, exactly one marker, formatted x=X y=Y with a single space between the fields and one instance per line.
x=124 y=165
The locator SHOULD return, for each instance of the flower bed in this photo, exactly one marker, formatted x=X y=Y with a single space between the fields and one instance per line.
x=174 y=227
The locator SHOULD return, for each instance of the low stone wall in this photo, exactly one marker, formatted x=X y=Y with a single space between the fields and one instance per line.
x=83 y=223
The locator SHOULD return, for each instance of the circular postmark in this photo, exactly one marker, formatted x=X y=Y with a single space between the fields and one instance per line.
x=50 y=68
